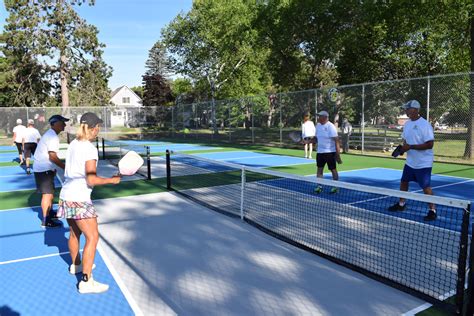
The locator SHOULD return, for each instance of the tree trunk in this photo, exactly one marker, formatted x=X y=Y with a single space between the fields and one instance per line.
x=469 y=150
x=64 y=88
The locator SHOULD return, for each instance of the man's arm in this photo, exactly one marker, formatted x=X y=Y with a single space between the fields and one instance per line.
x=53 y=157
x=338 y=156
x=428 y=145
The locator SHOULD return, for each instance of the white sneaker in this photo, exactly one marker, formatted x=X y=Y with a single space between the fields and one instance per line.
x=92 y=286
x=75 y=269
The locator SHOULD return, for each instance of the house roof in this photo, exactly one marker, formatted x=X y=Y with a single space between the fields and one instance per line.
x=124 y=87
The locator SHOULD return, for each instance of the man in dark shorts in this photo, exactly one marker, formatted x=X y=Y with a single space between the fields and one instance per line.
x=17 y=137
x=46 y=163
x=328 y=148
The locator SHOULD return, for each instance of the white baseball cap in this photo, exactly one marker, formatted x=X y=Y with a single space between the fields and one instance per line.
x=19 y=121
x=411 y=104
x=31 y=122
x=323 y=113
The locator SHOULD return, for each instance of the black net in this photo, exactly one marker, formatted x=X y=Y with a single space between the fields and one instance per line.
x=345 y=222
x=113 y=151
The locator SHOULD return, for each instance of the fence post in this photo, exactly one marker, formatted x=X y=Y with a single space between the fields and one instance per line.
x=168 y=170
x=363 y=119
x=428 y=100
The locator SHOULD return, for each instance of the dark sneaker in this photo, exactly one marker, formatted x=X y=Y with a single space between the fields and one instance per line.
x=51 y=224
x=431 y=216
x=28 y=171
x=396 y=207
x=53 y=214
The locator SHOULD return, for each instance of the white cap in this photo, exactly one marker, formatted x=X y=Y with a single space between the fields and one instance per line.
x=411 y=104
x=323 y=113
x=19 y=121
x=31 y=122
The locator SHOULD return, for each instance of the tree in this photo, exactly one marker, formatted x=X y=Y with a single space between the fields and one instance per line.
x=213 y=41
x=158 y=61
x=51 y=30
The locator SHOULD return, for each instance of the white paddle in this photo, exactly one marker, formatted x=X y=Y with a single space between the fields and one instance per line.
x=130 y=163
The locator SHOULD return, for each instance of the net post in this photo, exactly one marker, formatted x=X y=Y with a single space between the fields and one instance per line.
x=168 y=170
x=470 y=278
x=242 y=190
x=148 y=163
x=461 y=275
x=103 y=148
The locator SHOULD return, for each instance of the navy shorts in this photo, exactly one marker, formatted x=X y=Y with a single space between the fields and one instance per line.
x=421 y=176
x=326 y=158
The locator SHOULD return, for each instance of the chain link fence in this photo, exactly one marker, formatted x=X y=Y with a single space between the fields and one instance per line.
x=373 y=110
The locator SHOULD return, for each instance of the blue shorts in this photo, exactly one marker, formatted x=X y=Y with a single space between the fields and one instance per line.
x=421 y=176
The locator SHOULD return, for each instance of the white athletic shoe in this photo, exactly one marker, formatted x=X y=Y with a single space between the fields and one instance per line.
x=75 y=269
x=92 y=286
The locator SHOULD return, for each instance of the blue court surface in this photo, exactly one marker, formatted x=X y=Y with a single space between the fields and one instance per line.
x=34 y=263
x=14 y=178
x=256 y=160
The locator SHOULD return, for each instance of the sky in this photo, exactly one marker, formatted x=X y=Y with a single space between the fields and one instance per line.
x=128 y=28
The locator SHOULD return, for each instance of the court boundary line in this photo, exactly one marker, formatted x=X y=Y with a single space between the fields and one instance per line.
x=126 y=293
x=418 y=309
x=35 y=258
x=432 y=174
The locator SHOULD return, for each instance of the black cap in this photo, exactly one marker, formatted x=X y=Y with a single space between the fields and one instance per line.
x=90 y=119
x=57 y=118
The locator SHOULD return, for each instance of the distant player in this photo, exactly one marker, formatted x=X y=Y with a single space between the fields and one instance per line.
x=308 y=132
x=30 y=140
x=418 y=140
x=17 y=138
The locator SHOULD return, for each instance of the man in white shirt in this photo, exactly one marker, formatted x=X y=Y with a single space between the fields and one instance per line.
x=46 y=163
x=17 y=138
x=418 y=140
x=30 y=140
x=328 y=148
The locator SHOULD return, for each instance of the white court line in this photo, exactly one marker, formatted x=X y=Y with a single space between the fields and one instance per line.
x=433 y=174
x=128 y=296
x=35 y=258
x=418 y=309
x=343 y=171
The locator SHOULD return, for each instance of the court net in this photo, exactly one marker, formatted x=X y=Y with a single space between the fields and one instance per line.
x=113 y=151
x=352 y=227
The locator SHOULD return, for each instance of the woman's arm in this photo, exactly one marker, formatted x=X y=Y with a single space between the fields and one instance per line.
x=93 y=179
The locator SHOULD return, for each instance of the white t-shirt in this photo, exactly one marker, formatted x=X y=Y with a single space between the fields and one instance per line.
x=416 y=133
x=308 y=129
x=31 y=135
x=325 y=134
x=49 y=142
x=18 y=130
x=75 y=188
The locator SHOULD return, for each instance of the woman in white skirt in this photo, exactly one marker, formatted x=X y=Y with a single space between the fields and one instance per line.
x=75 y=201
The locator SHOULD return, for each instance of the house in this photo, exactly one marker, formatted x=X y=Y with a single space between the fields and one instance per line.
x=126 y=107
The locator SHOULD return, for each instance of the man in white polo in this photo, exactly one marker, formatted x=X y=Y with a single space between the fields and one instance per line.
x=418 y=140
x=46 y=163
x=328 y=148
